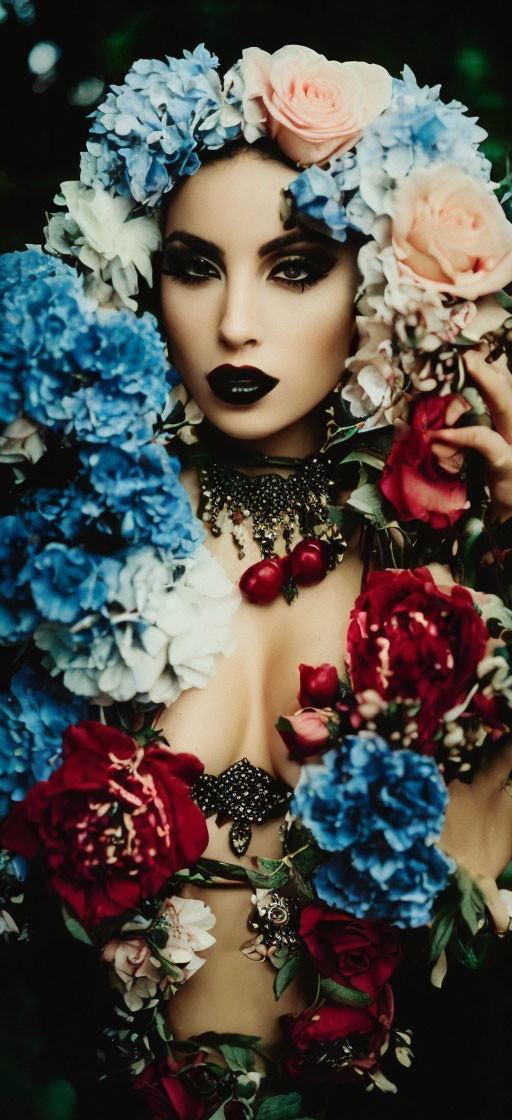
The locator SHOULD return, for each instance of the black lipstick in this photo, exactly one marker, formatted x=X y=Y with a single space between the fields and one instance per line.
x=240 y=385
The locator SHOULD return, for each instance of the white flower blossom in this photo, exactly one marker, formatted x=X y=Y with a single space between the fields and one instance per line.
x=98 y=229
x=165 y=626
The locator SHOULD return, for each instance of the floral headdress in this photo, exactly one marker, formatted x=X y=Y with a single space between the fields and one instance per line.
x=109 y=595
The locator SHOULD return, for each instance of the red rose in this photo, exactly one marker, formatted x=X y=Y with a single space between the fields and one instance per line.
x=162 y=1087
x=356 y=954
x=318 y=687
x=420 y=484
x=305 y=733
x=409 y=639
x=310 y=561
x=334 y=1041
x=113 y=822
x=262 y=582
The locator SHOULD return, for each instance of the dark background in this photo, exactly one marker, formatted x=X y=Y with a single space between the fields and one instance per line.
x=46 y=1034
x=44 y=129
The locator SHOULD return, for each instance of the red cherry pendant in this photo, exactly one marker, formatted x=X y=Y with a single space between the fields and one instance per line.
x=310 y=561
x=262 y=582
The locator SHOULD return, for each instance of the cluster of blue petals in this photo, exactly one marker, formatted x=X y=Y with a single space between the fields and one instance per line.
x=34 y=717
x=319 y=195
x=147 y=131
x=96 y=380
x=69 y=365
x=378 y=813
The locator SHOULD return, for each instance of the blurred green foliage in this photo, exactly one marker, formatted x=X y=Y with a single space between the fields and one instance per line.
x=469 y=56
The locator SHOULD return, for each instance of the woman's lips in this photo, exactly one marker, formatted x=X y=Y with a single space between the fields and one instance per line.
x=240 y=385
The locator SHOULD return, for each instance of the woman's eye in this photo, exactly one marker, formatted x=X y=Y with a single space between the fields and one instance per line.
x=190 y=270
x=300 y=272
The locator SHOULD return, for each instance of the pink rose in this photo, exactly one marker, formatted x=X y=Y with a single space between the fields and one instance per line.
x=450 y=234
x=305 y=733
x=135 y=973
x=313 y=108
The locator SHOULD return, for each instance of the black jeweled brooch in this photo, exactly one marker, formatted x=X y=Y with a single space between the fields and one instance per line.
x=244 y=794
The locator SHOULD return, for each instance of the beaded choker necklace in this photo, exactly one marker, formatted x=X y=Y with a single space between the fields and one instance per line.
x=278 y=508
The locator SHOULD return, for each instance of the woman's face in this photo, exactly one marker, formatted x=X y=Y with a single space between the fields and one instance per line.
x=259 y=320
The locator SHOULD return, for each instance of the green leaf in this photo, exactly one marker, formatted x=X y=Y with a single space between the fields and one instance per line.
x=343 y=434
x=237 y=1058
x=372 y=459
x=472 y=905
x=504 y=299
x=368 y=500
x=442 y=929
x=286 y=1106
x=76 y=929
x=286 y=973
x=223 y=870
x=269 y=873
x=341 y=994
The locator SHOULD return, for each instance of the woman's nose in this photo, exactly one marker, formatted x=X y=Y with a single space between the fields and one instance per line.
x=238 y=322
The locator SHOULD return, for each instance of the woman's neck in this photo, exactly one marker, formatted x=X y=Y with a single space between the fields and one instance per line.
x=294 y=443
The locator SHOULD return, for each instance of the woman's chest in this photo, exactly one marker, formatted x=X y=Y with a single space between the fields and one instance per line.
x=234 y=716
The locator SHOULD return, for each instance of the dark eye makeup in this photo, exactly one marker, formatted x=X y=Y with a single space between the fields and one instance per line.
x=296 y=272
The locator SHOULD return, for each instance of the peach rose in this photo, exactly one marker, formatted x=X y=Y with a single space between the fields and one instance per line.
x=450 y=234
x=313 y=108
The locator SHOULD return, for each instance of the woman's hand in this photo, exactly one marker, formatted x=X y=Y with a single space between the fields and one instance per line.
x=494 y=383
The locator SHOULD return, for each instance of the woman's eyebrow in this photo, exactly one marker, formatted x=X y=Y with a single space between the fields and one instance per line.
x=201 y=245
x=194 y=242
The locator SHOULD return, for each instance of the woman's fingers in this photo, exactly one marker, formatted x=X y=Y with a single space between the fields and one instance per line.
x=496 y=452
x=494 y=383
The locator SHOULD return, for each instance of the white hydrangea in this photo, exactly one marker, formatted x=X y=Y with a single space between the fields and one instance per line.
x=166 y=623
x=98 y=229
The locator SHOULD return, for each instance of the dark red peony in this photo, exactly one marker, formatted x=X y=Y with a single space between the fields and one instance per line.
x=318 y=687
x=112 y=823
x=422 y=484
x=332 y=1042
x=165 y=1093
x=356 y=954
x=409 y=639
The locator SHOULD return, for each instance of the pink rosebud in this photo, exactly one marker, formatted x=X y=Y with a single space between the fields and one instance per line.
x=305 y=733
x=262 y=582
x=318 y=687
x=310 y=561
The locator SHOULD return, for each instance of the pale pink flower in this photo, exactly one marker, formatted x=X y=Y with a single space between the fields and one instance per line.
x=138 y=974
x=450 y=234
x=313 y=108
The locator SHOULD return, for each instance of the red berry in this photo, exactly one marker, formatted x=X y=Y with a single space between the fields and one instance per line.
x=262 y=582
x=310 y=561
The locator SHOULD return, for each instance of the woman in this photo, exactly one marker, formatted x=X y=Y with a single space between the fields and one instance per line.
x=260 y=324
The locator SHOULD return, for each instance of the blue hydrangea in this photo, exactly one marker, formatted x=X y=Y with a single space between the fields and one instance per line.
x=35 y=713
x=45 y=337
x=133 y=382
x=379 y=811
x=68 y=583
x=102 y=375
x=144 y=492
x=147 y=131
x=416 y=130
x=400 y=890
x=19 y=534
x=319 y=195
